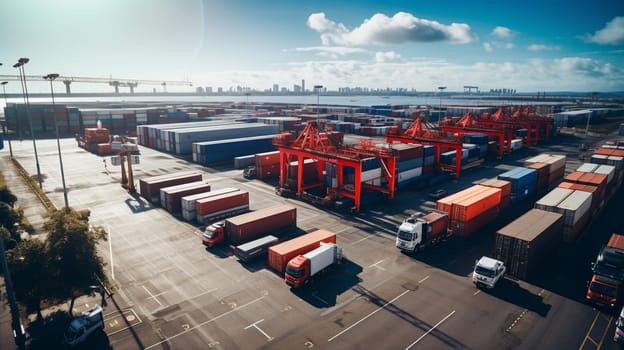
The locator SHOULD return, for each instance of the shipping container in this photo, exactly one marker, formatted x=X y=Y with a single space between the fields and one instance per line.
x=523 y=182
x=281 y=254
x=189 y=203
x=150 y=186
x=256 y=248
x=246 y=227
x=209 y=207
x=525 y=242
x=171 y=197
x=467 y=228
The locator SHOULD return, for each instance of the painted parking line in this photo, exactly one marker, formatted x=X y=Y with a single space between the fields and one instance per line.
x=367 y=316
x=255 y=325
x=596 y=326
x=430 y=330
x=115 y=322
x=152 y=296
x=377 y=265
x=424 y=279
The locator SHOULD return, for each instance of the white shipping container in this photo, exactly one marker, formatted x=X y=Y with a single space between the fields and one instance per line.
x=616 y=161
x=556 y=161
x=574 y=207
x=370 y=175
x=588 y=167
x=553 y=198
x=409 y=174
x=188 y=202
x=608 y=170
x=321 y=257
x=189 y=215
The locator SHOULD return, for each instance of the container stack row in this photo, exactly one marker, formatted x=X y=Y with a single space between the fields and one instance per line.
x=471 y=209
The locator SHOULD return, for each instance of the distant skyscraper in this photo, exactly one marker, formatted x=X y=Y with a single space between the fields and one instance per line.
x=275 y=87
x=303 y=85
x=208 y=89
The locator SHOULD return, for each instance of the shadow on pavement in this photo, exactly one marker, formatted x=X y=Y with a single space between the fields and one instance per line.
x=49 y=335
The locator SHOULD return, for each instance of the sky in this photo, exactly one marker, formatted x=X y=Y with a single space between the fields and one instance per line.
x=528 y=45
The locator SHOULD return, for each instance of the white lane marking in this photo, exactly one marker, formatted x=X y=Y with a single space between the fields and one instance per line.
x=377 y=265
x=206 y=292
x=152 y=296
x=205 y=322
x=424 y=279
x=361 y=240
x=430 y=330
x=477 y=292
x=255 y=325
x=367 y=316
x=110 y=249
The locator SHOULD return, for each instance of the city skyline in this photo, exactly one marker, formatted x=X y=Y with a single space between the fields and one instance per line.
x=532 y=46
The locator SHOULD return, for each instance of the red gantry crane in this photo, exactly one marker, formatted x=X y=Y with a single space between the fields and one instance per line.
x=521 y=117
x=315 y=143
x=469 y=125
x=426 y=135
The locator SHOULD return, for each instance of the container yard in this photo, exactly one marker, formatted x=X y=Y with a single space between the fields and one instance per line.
x=539 y=208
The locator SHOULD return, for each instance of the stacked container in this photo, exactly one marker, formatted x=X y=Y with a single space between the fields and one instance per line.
x=310 y=173
x=554 y=163
x=189 y=203
x=225 y=150
x=267 y=164
x=171 y=197
x=523 y=183
x=241 y=162
x=410 y=163
x=574 y=205
x=526 y=241
x=471 y=209
x=208 y=208
x=150 y=187
x=505 y=187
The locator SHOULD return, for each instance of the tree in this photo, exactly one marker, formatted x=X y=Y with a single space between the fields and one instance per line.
x=7 y=196
x=28 y=263
x=8 y=216
x=72 y=251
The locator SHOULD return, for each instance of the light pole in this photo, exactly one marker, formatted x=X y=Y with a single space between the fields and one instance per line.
x=441 y=88
x=4 y=129
x=318 y=98
x=51 y=78
x=20 y=67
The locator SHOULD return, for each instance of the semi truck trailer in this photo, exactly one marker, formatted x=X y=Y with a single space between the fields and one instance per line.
x=247 y=227
x=281 y=254
x=606 y=284
x=419 y=231
x=250 y=250
x=302 y=268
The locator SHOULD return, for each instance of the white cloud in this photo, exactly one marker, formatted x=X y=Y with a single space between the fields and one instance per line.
x=334 y=51
x=503 y=32
x=611 y=34
x=387 y=56
x=488 y=47
x=381 y=29
x=540 y=47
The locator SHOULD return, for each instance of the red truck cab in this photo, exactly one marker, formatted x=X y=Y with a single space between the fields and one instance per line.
x=603 y=290
x=297 y=271
x=213 y=234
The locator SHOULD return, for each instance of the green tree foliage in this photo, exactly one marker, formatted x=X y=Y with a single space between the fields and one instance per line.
x=29 y=267
x=8 y=216
x=72 y=252
x=6 y=196
x=9 y=241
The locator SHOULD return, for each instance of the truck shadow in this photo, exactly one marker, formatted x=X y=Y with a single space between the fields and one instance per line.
x=513 y=293
x=324 y=292
x=138 y=204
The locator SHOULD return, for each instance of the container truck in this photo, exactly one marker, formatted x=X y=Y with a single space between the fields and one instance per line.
x=247 y=227
x=303 y=268
x=281 y=254
x=605 y=285
x=221 y=206
x=250 y=250
x=487 y=272
x=419 y=231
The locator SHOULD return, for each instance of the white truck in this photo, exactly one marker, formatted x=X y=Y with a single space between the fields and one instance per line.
x=419 y=231
x=487 y=272
x=304 y=267
x=84 y=326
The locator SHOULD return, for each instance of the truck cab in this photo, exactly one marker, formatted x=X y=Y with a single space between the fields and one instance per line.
x=297 y=271
x=249 y=172
x=487 y=272
x=410 y=233
x=213 y=234
x=603 y=290
x=84 y=326
x=302 y=268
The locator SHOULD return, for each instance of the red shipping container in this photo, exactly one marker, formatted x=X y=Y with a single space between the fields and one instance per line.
x=104 y=149
x=468 y=208
x=556 y=175
x=267 y=158
x=281 y=254
x=173 y=198
x=467 y=228
x=543 y=174
x=504 y=185
x=150 y=186
x=267 y=171
x=209 y=205
x=246 y=227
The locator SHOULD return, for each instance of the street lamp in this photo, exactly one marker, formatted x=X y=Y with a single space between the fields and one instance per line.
x=4 y=129
x=20 y=67
x=51 y=78
x=441 y=88
x=318 y=97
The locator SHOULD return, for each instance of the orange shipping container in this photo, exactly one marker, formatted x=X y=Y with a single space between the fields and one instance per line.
x=471 y=207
